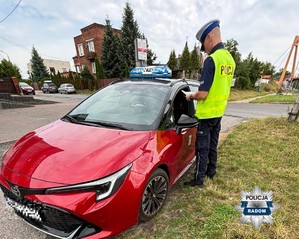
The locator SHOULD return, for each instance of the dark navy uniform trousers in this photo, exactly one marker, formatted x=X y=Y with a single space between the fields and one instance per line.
x=206 y=148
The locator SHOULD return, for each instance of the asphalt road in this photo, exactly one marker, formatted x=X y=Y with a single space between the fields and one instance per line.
x=17 y=122
x=252 y=111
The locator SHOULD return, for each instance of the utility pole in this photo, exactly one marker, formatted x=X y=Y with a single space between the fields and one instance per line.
x=294 y=45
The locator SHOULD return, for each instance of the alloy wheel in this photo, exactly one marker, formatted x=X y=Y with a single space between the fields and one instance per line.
x=154 y=195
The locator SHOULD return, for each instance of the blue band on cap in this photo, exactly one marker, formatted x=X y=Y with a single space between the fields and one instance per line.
x=208 y=29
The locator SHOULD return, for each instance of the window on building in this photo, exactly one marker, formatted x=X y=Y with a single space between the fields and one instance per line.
x=93 y=67
x=64 y=70
x=90 y=45
x=80 y=49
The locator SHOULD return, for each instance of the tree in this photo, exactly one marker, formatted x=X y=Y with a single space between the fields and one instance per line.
x=7 y=69
x=231 y=46
x=110 y=55
x=70 y=77
x=278 y=74
x=172 y=61
x=249 y=70
x=194 y=60
x=119 y=67
x=185 y=59
x=86 y=75
x=254 y=66
x=99 y=70
x=88 y=79
x=129 y=32
x=151 y=57
x=267 y=68
x=39 y=70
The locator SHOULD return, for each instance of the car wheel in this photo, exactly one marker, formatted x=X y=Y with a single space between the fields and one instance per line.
x=154 y=195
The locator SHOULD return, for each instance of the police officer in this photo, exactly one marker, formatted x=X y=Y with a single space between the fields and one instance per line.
x=212 y=97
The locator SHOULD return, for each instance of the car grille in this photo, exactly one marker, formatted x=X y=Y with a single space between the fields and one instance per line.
x=44 y=217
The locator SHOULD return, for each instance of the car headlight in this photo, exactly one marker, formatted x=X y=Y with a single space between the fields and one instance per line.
x=103 y=187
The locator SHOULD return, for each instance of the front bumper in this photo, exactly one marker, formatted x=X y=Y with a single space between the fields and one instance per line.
x=78 y=215
x=48 y=219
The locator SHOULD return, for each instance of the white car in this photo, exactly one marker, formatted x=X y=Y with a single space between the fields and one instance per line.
x=66 y=88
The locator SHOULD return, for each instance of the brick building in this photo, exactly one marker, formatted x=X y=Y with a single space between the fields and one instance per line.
x=89 y=46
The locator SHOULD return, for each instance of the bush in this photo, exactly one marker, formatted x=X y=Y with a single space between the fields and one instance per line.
x=267 y=88
x=243 y=83
x=270 y=86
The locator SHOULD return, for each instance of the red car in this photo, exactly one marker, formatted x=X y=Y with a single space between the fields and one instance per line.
x=26 y=89
x=107 y=164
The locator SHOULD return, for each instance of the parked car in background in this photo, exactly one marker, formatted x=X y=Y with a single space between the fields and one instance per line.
x=107 y=164
x=26 y=89
x=49 y=87
x=66 y=88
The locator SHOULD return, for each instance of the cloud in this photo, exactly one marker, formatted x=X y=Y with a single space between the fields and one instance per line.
x=264 y=28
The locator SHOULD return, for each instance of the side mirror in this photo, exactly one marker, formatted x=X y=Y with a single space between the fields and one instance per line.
x=186 y=121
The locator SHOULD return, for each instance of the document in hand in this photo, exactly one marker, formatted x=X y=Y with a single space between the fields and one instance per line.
x=187 y=92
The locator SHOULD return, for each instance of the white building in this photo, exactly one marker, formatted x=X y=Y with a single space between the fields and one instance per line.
x=53 y=66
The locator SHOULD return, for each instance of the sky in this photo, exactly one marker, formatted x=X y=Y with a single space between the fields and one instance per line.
x=265 y=28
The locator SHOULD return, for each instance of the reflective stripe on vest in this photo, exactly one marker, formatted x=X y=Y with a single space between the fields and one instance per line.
x=215 y=103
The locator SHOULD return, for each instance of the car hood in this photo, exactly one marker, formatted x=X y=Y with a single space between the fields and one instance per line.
x=67 y=153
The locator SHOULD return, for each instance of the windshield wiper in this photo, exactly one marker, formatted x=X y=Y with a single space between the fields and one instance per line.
x=111 y=125
x=70 y=119
x=94 y=123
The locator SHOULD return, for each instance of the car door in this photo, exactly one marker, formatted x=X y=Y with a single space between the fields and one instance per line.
x=181 y=149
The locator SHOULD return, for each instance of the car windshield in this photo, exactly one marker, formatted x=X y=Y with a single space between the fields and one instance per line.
x=69 y=85
x=126 y=106
x=23 y=84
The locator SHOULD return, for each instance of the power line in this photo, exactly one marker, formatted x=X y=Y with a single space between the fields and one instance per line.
x=11 y=11
x=281 y=57
x=16 y=44
x=30 y=51
x=2 y=56
x=6 y=54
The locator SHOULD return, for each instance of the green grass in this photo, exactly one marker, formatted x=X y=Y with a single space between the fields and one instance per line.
x=257 y=153
x=236 y=94
x=287 y=99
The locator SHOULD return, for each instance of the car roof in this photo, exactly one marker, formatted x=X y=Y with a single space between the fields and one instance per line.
x=66 y=84
x=158 y=81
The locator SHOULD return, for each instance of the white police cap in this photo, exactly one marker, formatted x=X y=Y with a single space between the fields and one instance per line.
x=205 y=30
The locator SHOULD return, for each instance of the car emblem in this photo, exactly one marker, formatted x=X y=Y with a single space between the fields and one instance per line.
x=15 y=190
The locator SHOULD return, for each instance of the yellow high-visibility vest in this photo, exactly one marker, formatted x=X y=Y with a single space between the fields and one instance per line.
x=215 y=103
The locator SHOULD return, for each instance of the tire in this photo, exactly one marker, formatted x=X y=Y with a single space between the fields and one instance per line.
x=154 y=195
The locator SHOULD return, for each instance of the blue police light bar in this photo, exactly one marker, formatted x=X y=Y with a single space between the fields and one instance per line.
x=151 y=72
